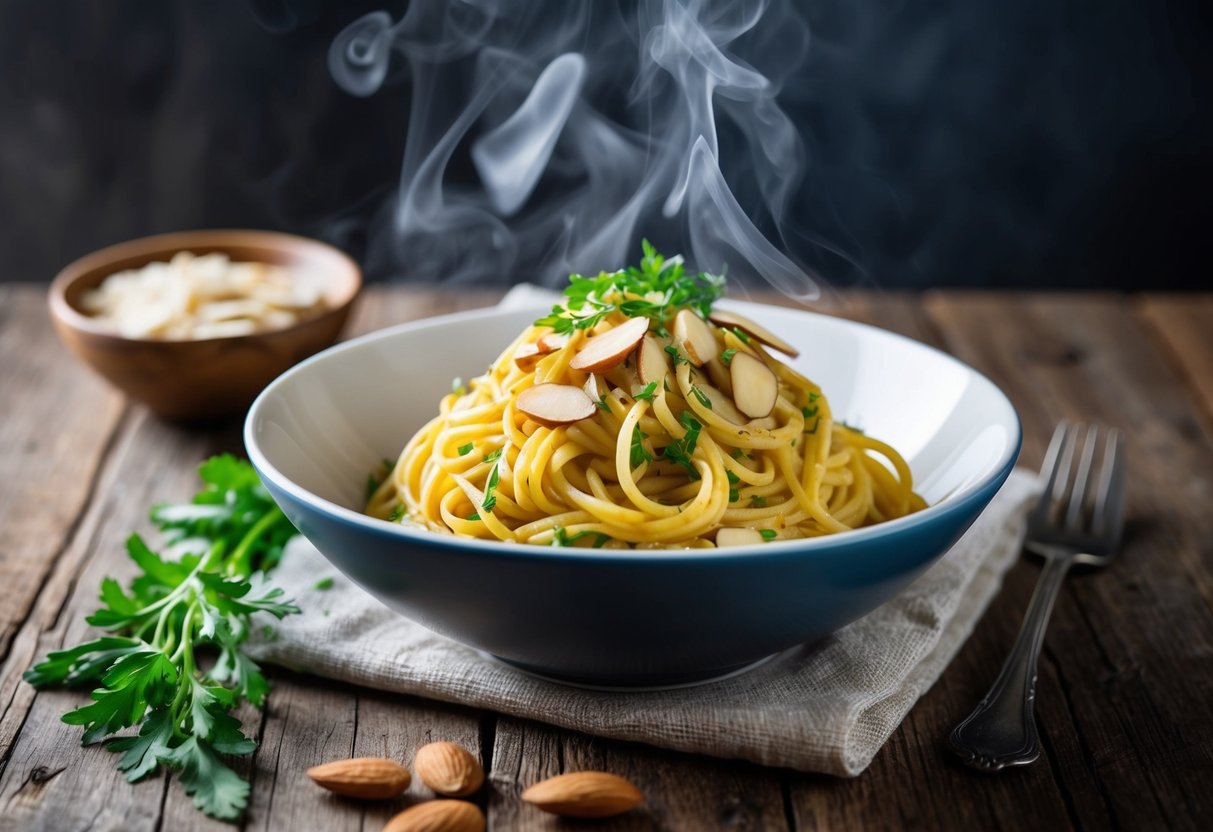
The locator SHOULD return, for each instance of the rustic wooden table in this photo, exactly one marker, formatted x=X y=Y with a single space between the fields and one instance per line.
x=1126 y=678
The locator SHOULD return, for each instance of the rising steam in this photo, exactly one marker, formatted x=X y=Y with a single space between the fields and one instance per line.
x=587 y=125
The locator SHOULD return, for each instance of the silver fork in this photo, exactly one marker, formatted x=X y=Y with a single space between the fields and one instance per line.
x=1064 y=530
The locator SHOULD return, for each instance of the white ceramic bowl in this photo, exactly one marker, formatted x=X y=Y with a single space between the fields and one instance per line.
x=633 y=617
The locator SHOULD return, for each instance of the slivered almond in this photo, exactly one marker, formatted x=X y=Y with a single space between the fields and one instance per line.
x=552 y=342
x=720 y=403
x=526 y=356
x=738 y=537
x=555 y=404
x=591 y=388
x=584 y=794
x=652 y=363
x=731 y=320
x=438 y=816
x=693 y=335
x=448 y=768
x=369 y=778
x=611 y=348
x=755 y=387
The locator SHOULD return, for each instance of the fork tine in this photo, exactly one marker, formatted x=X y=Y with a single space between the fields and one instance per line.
x=1108 y=517
x=1048 y=472
x=1078 y=495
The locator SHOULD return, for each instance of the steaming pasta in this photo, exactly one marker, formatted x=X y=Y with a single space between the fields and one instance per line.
x=639 y=416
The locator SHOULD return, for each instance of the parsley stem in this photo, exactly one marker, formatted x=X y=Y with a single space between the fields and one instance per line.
x=239 y=562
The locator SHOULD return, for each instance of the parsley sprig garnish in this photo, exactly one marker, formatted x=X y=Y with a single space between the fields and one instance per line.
x=146 y=670
x=655 y=289
x=563 y=538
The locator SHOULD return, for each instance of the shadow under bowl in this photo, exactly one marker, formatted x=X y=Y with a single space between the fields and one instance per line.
x=205 y=379
x=626 y=618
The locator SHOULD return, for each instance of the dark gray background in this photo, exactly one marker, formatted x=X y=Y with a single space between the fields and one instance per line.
x=1064 y=143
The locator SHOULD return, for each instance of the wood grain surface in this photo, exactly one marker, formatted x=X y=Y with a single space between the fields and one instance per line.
x=1126 y=677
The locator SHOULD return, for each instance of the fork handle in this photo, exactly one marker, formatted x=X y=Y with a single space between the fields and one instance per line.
x=1001 y=731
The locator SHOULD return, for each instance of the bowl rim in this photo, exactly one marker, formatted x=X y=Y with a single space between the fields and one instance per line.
x=981 y=491
x=178 y=241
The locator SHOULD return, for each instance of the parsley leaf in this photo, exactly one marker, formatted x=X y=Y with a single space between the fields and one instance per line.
x=640 y=454
x=758 y=501
x=647 y=393
x=655 y=289
x=703 y=399
x=145 y=671
x=490 y=488
x=562 y=538
x=726 y=356
x=678 y=357
x=464 y=450
x=768 y=534
x=680 y=450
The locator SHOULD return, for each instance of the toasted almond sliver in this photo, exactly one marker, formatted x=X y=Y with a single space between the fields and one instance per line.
x=591 y=388
x=693 y=335
x=611 y=348
x=731 y=320
x=738 y=537
x=556 y=404
x=755 y=387
x=526 y=356
x=552 y=342
x=652 y=363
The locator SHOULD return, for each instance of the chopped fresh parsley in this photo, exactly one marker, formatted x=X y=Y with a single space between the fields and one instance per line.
x=741 y=335
x=640 y=454
x=678 y=357
x=680 y=450
x=397 y=514
x=490 y=488
x=733 y=478
x=813 y=429
x=602 y=405
x=726 y=356
x=562 y=538
x=734 y=495
x=323 y=583
x=703 y=400
x=758 y=501
x=655 y=289
x=737 y=453
x=493 y=456
x=809 y=412
x=768 y=534
x=473 y=516
x=464 y=450
x=647 y=393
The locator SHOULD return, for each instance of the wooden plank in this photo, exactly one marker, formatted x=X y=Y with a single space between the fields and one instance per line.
x=48 y=781
x=1130 y=647
x=57 y=419
x=681 y=791
x=913 y=782
x=1183 y=325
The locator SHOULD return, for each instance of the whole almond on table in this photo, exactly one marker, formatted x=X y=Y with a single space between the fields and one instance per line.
x=369 y=778
x=584 y=794
x=438 y=816
x=448 y=769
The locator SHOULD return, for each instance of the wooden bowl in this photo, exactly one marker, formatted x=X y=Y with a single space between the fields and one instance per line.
x=206 y=379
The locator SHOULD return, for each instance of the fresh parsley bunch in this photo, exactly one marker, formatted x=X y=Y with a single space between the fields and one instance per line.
x=656 y=289
x=173 y=662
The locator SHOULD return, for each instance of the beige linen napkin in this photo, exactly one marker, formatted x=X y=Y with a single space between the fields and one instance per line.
x=826 y=707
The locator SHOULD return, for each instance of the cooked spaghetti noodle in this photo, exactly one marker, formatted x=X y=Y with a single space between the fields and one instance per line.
x=656 y=465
